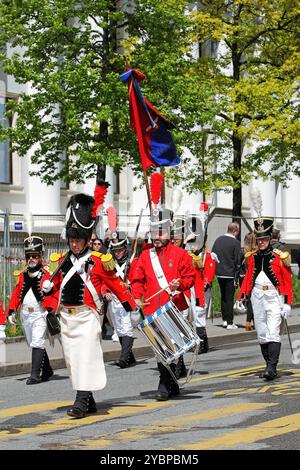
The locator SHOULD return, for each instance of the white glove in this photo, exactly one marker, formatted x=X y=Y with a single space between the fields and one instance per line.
x=12 y=319
x=240 y=307
x=2 y=333
x=47 y=286
x=135 y=317
x=286 y=311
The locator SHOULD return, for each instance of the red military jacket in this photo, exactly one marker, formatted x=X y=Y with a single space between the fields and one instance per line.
x=104 y=288
x=209 y=269
x=2 y=315
x=176 y=263
x=281 y=272
x=47 y=302
x=98 y=276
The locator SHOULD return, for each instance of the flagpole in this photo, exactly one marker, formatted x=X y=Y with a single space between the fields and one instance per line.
x=147 y=189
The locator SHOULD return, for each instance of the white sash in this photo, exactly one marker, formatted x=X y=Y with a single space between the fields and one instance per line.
x=158 y=271
x=120 y=270
x=78 y=266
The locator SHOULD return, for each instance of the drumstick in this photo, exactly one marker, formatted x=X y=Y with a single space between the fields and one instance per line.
x=153 y=295
x=156 y=293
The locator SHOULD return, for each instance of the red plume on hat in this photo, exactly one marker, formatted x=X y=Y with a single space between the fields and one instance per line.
x=156 y=184
x=112 y=220
x=99 y=196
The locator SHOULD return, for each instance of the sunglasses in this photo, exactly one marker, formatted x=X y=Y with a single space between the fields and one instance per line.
x=97 y=243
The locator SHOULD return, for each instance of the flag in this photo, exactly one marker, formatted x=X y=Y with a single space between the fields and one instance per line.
x=156 y=145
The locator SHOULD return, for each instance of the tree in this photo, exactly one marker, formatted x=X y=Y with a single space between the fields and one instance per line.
x=72 y=54
x=252 y=84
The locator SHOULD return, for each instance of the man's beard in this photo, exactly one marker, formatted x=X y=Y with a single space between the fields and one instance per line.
x=160 y=243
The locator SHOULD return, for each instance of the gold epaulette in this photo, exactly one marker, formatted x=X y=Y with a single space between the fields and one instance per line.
x=53 y=261
x=97 y=254
x=54 y=257
x=197 y=261
x=284 y=256
x=249 y=253
x=17 y=273
x=107 y=262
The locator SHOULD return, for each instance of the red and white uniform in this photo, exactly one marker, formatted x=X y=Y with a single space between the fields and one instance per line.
x=176 y=264
x=28 y=298
x=269 y=283
x=117 y=315
x=80 y=322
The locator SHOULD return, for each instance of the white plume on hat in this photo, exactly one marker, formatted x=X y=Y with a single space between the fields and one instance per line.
x=29 y=222
x=256 y=199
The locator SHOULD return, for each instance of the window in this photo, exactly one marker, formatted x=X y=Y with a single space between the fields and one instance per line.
x=5 y=153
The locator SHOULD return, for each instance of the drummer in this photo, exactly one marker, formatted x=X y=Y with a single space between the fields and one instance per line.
x=162 y=273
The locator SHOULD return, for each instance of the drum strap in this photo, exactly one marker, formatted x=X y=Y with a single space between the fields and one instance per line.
x=158 y=271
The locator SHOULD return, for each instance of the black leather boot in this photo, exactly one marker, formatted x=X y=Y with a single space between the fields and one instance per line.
x=92 y=407
x=47 y=370
x=165 y=383
x=274 y=351
x=126 y=357
x=174 y=387
x=81 y=404
x=180 y=369
x=265 y=352
x=36 y=365
x=201 y=332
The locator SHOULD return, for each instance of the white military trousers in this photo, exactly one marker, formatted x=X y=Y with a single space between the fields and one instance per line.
x=267 y=306
x=119 y=318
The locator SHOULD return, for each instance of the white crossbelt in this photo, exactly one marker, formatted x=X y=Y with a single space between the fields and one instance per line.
x=158 y=271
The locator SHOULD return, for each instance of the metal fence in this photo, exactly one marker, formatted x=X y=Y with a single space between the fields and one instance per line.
x=13 y=230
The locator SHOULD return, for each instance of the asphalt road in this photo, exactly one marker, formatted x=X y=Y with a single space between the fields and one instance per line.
x=225 y=406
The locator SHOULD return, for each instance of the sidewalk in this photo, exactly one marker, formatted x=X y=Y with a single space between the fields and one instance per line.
x=15 y=355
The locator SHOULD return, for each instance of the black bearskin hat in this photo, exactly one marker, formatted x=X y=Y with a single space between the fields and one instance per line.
x=161 y=219
x=79 y=220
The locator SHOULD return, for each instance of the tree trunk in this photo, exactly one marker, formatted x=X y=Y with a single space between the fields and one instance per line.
x=237 y=188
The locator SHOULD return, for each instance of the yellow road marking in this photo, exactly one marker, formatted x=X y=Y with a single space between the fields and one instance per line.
x=168 y=425
x=287 y=388
x=34 y=408
x=233 y=373
x=262 y=431
x=68 y=423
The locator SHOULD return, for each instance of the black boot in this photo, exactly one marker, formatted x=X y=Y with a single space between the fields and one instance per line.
x=47 y=370
x=126 y=357
x=36 y=365
x=164 y=386
x=274 y=351
x=265 y=352
x=201 y=332
x=92 y=407
x=180 y=369
x=81 y=405
x=174 y=387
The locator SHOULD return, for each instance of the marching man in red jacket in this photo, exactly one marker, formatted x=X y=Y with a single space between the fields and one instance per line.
x=162 y=270
x=78 y=282
x=29 y=298
x=268 y=281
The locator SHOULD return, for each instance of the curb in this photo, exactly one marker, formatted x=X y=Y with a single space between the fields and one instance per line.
x=19 y=368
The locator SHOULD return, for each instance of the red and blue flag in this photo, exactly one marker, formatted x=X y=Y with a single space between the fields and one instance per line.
x=156 y=145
